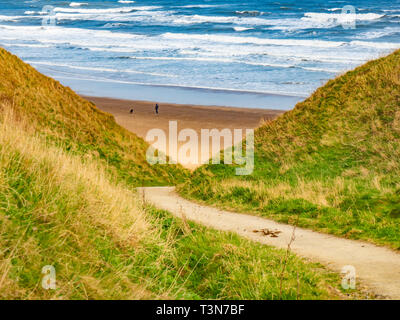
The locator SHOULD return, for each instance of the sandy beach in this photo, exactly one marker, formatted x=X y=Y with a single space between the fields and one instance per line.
x=194 y=117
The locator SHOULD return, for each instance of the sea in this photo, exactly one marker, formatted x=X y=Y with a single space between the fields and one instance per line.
x=252 y=53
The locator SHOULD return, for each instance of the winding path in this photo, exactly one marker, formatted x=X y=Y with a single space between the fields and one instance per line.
x=377 y=267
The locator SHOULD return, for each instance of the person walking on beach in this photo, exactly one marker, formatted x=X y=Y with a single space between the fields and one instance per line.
x=131 y=112
x=157 y=108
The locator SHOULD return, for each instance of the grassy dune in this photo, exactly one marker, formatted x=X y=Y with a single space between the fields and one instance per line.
x=76 y=125
x=67 y=173
x=334 y=161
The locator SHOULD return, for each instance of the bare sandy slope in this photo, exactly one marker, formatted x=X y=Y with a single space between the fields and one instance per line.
x=378 y=267
x=193 y=117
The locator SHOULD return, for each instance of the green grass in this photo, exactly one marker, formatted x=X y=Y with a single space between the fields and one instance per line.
x=67 y=199
x=334 y=161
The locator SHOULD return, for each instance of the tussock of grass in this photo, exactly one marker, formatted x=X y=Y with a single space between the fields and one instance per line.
x=333 y=160
x=66 y=199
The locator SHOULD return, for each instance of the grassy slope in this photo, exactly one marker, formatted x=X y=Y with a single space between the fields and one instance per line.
x=334 y=160
x=66 y=199
x=77 y=125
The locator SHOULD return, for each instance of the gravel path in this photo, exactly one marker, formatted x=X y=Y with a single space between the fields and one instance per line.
x=377 y=267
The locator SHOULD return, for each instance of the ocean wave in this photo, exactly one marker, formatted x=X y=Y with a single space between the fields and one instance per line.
x=309 y=55
x=254 y=40
x=201 y=6
x=219 y=45
x=105 y=11
x=245 y=62
x=340 y=18
x=97 y=69
x=286 y=55
x=151 y=15
x=66 y=35
x=143 y=14
x=198 y=19
x=377 y=45
x=314 y=20
x=236 y=46
x=214 y=59
x=11 y=18
x=376 y=34
x=247 y=13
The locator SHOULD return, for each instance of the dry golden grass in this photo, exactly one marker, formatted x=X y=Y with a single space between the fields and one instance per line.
x=108 y=203
x=93 y=198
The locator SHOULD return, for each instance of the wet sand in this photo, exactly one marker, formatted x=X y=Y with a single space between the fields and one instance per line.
x=193 y=117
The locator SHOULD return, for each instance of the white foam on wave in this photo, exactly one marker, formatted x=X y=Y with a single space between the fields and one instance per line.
x=240 y=29
x=137 y=14
x=253 y=40
x=377 y=45
x=151 y=15
x=78 y=4
x=376 y=34
x=202 y=6
x=97 y=69
x=212 y=59
x=340 y=18
x=26 y=45
x=208 y=42
x=66 y=35
x=11 y=18
x=126 y=1
x=245 y=62
x=106 y=11
x=324 y=70
x=316 y=20
x=198 y=19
